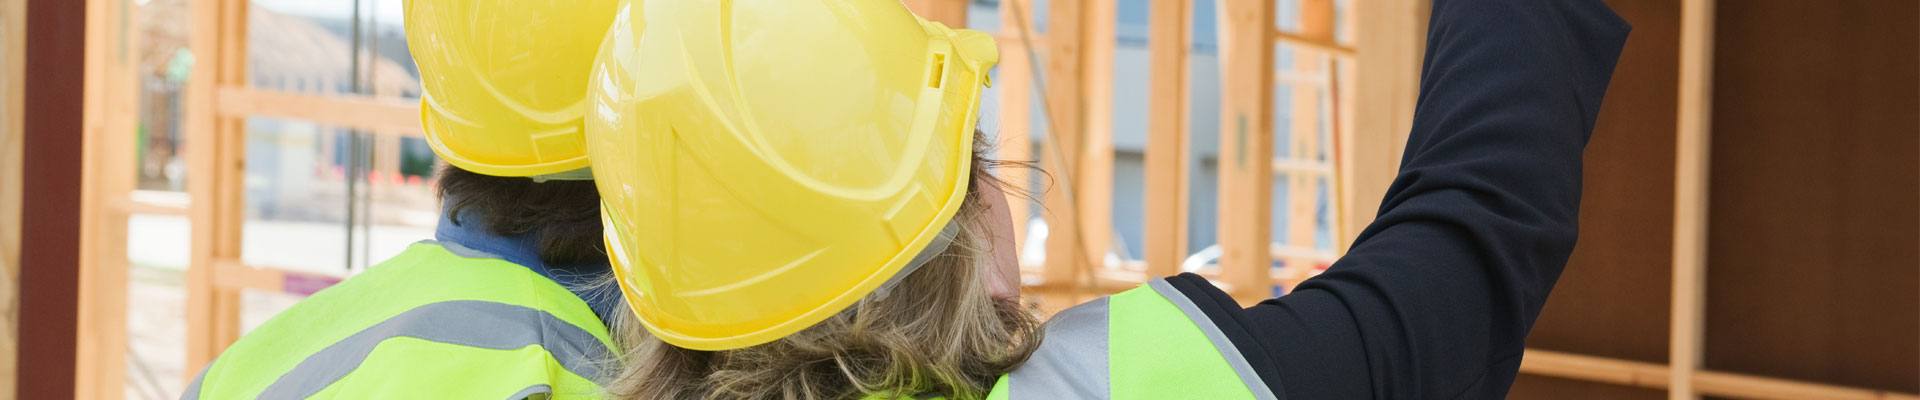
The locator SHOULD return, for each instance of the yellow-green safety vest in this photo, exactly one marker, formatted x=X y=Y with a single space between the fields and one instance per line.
x=1150 y=342
x=427 y=324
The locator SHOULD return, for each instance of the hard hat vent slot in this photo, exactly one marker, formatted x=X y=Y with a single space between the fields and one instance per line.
x=939 y=71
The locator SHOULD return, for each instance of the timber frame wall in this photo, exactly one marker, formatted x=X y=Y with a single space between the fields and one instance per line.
x=1658 y=122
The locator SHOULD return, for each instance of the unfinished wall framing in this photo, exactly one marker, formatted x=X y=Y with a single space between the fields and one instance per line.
x=1726 y=251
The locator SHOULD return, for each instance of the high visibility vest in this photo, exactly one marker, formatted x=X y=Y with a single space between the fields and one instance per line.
x=427 y=324
x=1150 y=342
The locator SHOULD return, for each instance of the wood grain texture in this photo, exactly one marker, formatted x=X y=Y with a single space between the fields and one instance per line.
x=1066 y=261
x=1168 y=137
x=1246 y=148
x=1390 y=39
x=217 y=154
x=110 y=126
x=12 y=70
x=1814 y=242
x=1529 y=387
x=1691 y=181
x=1612 y=300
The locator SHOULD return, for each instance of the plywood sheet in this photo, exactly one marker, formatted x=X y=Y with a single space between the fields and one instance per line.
x=1537 y=387
x=1814 y=240
x=1612 y=301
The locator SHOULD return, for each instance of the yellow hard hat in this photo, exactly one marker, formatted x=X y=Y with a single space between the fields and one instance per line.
x=504 y=81
x=764 y=164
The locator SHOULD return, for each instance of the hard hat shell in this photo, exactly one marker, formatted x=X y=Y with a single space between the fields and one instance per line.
x=764 y=164
x=504 y=81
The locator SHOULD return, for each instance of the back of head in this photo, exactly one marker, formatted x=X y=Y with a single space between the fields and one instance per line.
x=563 y=217
x=936 y=331
x=790 y=191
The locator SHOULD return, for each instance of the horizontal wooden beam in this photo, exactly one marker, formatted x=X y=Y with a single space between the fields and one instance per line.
x=1752 y=387
x=1309 y=42
x=1594 y=369
x=1656 y=376
x=382 y=115
x=234 y=274
x=155 y=202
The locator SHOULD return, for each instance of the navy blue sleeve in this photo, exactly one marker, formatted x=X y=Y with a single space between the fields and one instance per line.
x=1435 y=298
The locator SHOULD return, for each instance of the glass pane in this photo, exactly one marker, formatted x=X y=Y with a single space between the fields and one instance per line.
x=1039 y=13
x=159 y=243
x=394 y=73
x=1131 y=84
x=296 y=196
x=400 y=203
x=303 y=46
x=1342 y=26
x=1203 y=107
x=984 y=15
x=1286 y=15
x=164 y=67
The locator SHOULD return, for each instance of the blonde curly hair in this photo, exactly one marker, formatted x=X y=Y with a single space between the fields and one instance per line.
x=938 y=332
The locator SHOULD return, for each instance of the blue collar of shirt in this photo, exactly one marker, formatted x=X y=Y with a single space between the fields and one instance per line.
x=472 y=238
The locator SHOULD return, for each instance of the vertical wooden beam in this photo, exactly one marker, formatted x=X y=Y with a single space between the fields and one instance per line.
x=107 y=180
x=1692 y=150
x=1065 y=245
x=1015 y=84
x=51 y=173
x=13 y=24
x=216 y=155
x=1095 y=196
x=950 y=12
x=1168 y=138
x=1389 y=40
x=1246 y=147
x=1316 y=21
x=1343 y=87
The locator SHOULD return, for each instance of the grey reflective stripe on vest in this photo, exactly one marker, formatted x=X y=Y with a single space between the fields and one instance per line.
x=193 y=389
x=530 y=391
x=1071 y=362
x=1219 y=339
x=469 y=323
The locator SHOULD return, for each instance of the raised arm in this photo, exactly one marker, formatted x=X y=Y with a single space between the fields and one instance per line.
x=1436 y=297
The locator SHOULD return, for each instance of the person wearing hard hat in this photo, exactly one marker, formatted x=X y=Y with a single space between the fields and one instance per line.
x=796 y=208
x=501 y=304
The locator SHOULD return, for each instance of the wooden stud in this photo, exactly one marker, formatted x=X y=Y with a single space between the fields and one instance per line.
x=1390 y=39
x=1593 y=369
x=1325 y=45
x=1168 y=139
x=1246 y=148
x=1694 y=136
x=1316 y=20
x=1722 y=384
x=13 y=24
x=1065 y=261
x=216 y=158
x=107 y=179
x=1657 y=376
x=1015 y=86
x=1095 y=194
x=1342 y=87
